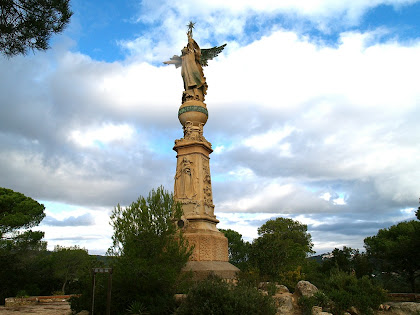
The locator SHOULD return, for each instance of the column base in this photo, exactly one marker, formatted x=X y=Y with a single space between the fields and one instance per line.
x=202 y=269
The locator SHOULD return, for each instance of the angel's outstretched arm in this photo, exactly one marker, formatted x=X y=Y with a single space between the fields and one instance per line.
x=175 y=60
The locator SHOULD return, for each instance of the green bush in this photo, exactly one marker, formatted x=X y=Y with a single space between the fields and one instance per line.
x=318 y=299
x=345 y=290
x=214 y=296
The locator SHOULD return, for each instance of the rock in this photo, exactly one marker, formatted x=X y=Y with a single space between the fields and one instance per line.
x=284 y=304
x=83 y=313
x=281 y=289
x=305 y=288
x=404 y=308
x=179 y=298
x=353 y=311
x=384 y=307
x=317 y=310
x=12 y=302
x=263 y=285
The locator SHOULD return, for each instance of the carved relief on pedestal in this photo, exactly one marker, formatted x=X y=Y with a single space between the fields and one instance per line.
x=194 y=133
x=208 y=195
x=185 y=180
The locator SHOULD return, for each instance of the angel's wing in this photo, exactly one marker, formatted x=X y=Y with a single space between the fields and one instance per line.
x=210 y=53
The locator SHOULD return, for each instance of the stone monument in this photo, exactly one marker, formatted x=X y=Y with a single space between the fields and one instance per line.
x=192 y=178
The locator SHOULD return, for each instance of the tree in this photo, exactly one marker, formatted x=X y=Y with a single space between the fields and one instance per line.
x=18 y=247
x=69 y=263
x=19 y=212
x=147 y=253
x=29 y=24
x=418 y=212
x=282 y=246
x=238 y=249
x=348 y=260
x=395 y=250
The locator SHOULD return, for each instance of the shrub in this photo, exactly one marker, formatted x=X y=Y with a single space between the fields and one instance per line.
x=215 y=296
x=290 y=278
x=345 y=290
x=318 y=299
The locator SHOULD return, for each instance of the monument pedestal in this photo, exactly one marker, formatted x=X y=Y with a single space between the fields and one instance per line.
x=193 y=190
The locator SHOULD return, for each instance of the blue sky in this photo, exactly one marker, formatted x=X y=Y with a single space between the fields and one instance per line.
x=313 y=114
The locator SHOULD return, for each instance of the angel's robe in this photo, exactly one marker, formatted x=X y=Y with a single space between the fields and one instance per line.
x=192 y=72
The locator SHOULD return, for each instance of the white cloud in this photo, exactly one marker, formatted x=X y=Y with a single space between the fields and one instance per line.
x=105 y=134
x=223 y=19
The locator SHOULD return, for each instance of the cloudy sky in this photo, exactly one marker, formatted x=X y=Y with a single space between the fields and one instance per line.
x=314 y=110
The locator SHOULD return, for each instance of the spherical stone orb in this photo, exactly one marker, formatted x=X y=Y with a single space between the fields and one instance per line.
x=194 y=111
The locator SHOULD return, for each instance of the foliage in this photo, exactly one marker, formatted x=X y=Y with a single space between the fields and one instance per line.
x=290 y=278
x=18 y=212
x=147 y=255
x=137 y=308
x=238 y=249
x=29 y=24
x=282 y=246
x=347 y=260
x=342 y=291
x=345 y=291
x=215 y=296
x=250 y=277
x=28 y=270
x=69 y=263
x=394 y=250
x=21 y=251
x=318 y=299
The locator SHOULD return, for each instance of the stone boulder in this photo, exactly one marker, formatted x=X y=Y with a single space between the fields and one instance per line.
x=281 y=289
x=317 y=310
x=305 y=288
x=404 y=308
x=284 y=304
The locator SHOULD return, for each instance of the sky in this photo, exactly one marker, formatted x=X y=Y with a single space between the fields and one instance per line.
x=314 y=110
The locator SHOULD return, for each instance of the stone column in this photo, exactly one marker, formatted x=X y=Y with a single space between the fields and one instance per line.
x=193 y=190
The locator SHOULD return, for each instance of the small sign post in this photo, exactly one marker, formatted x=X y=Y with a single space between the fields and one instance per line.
x=108 y=297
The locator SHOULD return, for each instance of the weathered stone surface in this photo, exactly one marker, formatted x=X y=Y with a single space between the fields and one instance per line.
x=52 y=308
x=10 y=302
x=281 y=289
x=384 y=307
x=404 y=308
x=202 y=269
x=305 y=288
x=353 y=311
x=317 y=310
x=284 y=304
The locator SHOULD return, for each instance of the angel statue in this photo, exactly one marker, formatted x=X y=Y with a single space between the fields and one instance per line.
x=192 y=61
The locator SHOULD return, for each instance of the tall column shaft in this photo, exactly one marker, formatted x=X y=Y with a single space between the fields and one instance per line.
x=193 y=188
